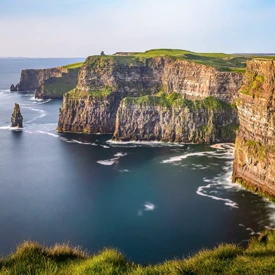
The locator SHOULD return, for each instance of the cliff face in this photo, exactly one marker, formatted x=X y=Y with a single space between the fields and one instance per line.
x=48 y=83
x=56 y=86
x=104 y=81
x=31 y=79
x=204 y=121
x=254 y=163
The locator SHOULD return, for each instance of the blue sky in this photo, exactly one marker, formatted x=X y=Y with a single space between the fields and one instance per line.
x=67 y=28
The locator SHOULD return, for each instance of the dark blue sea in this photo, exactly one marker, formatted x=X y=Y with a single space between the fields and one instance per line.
x=152 y=201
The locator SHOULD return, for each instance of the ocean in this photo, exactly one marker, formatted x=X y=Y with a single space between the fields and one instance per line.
x=153 y=201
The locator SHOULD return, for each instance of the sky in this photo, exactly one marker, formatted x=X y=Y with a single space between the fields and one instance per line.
x=79 y=28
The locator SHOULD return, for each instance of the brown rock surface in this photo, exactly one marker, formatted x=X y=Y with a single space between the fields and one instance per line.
x=254 y=163
x=16 y=118
x=104 y=81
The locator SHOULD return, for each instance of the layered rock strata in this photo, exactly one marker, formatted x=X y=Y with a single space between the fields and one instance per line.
x=186 y=121
x=47 y=83
x=55 y=87
x=254 y=163
x=31 y=79
x=16 y=118
x=104 y=81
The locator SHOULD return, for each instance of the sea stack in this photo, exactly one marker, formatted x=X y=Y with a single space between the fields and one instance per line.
x=16 y=118
x=13 y=88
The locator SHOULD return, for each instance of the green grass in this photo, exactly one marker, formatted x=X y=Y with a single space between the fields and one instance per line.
x=74 y=66
x=220 y=61
x=228 y=259
x=76 y=93
x=253 y=85
x=177 y=100
x=258 y=151
x=58 y=86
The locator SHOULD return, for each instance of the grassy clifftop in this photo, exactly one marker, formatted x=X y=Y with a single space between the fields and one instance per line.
x=220 y=61
x=177 y=100
x=31 y=258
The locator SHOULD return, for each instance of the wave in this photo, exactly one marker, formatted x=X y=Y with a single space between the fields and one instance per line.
x=225 y=152
x=8 y=127
x=112 y=161
x=148 y=206
x=49 y=134
x=143 y=143
x=44 y=101
x=42 y=114
x=107 y=162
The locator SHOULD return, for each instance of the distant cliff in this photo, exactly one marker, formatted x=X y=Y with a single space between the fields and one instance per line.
x=254 y=163
x=105 y=80
x=31 y=79
x=48 y=83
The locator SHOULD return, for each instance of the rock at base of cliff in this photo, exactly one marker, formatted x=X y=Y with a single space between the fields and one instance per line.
x=14 y=88
x=16 y=118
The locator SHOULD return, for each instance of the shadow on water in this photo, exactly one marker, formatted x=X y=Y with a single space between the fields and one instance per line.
x=17 y=134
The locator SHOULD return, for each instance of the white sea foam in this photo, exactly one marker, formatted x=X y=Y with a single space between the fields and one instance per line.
x=124 y=171
x=107 y=162
x=120 y=154
x=149 y=206
x=112 y=161
x=8 y=127
x=144 y=143
x=225 y=151
x=43 y=101
x=222 y=180
x=42 y=114
x=48 y=133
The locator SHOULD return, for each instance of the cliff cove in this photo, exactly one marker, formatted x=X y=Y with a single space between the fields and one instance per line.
x=167 y=121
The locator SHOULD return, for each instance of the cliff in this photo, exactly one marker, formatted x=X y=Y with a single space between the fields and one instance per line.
x=31 y=79
x=56 y=86
x=175 y=119
x=48 y=83
x=105 y=80
x=254 y=164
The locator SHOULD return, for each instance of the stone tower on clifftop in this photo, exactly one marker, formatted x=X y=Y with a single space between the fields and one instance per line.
x=16 y=118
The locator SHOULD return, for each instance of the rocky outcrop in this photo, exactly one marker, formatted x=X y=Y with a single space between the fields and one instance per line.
x=31 y=79
x=48 y=83
x=55 y=87
x=104 y=81
x=13 y=88
x=254 y=163
x=205 y=121
x=16 y=118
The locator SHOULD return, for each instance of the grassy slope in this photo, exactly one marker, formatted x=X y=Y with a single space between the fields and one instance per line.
x=74 y=66
x=177 y=100
x=58 y=86
x=31 y=258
